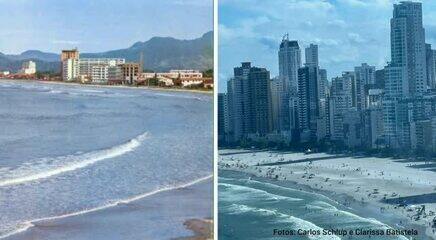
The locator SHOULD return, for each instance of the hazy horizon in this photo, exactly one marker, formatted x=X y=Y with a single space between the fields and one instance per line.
x=94 y=26
x=128 y=46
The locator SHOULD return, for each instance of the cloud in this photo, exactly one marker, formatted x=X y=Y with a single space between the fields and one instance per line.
x=355 y=38
x=355 y=3
x=311 y=5
x=368 y=3
x=337 y=23
x=348 y=32
x=269 y=42
x=325 y=42
x=246 y=28
x=67 y=42
x=194 y=3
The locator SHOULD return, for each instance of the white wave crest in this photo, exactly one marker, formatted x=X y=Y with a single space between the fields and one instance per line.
x=53 y=166
x=279 y=216
x=28 y=224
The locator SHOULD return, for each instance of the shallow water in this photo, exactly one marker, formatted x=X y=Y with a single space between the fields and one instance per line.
x=68 y=149
x=252 y=209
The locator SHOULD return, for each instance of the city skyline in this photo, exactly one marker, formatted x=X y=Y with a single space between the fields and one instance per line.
x=393 y=107
x=50 y=27
x=348 y=33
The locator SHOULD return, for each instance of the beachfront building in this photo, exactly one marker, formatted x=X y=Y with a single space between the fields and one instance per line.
x=97 y=69
x=174 y=74
x=406 y=74
x=115 y=74
x=183 y=78
x=99 y=73
x=70 y=64
x=289 y=56
x=408 y=50
x=188 y=82
x=276 y=88
x=70 y=69
x=185 y=74
x=28 y=68
x=130 y=72
x=249 y=97
x=308 y=102
x=340 y=101
x=223 y=125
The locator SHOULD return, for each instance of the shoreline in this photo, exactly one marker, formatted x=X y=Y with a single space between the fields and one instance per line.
x=365 y=211
x=207 y=92
x=201 y=228
x=392 y=215
x=33 y=225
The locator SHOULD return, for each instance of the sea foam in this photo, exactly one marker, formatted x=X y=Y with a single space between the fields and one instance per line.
x=49 y=167
x=32 y=223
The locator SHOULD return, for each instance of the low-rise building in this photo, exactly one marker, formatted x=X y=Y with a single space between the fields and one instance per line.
x=86 y=65
x=130 y=72
x=188 y=82
x=187 y=73
x=28 y=68
x=99 y=73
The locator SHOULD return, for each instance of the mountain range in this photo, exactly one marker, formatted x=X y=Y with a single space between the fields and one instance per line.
x=159 y=54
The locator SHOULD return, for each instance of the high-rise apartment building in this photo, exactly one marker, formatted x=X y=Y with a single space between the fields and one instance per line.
x=289 y=62
x=311 y=55
x=308 y=101
x=408 y=51
x=430 y=64
x=70 y=69
x=365 y=79
x=69 y=64
x=249 y=97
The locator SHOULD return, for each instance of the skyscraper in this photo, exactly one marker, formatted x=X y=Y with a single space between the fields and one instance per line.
x=365 y=78
x=308 y=101
x=311 y=55
x=222 y=117
x=430 y=59
x=289 y=62
x=276 y=88
x=406 y=74
x=341 y=101
x=408 y=50
x=249 y=97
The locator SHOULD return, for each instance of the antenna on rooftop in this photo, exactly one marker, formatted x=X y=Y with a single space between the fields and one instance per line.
x=286 y=37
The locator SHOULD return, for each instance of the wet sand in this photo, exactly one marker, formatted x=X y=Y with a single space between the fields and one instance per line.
x=164 y=215
x=203 y=229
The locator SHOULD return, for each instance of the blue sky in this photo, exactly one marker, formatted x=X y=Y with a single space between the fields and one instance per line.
x=98 y=25
x=348 y=32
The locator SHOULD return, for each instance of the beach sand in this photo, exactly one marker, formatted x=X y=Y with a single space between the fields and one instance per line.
x=203 y=229
x=370 y=186
x=165 y=215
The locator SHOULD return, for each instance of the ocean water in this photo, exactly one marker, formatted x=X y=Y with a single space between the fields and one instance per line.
x=69 y=150
x=253 y=208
